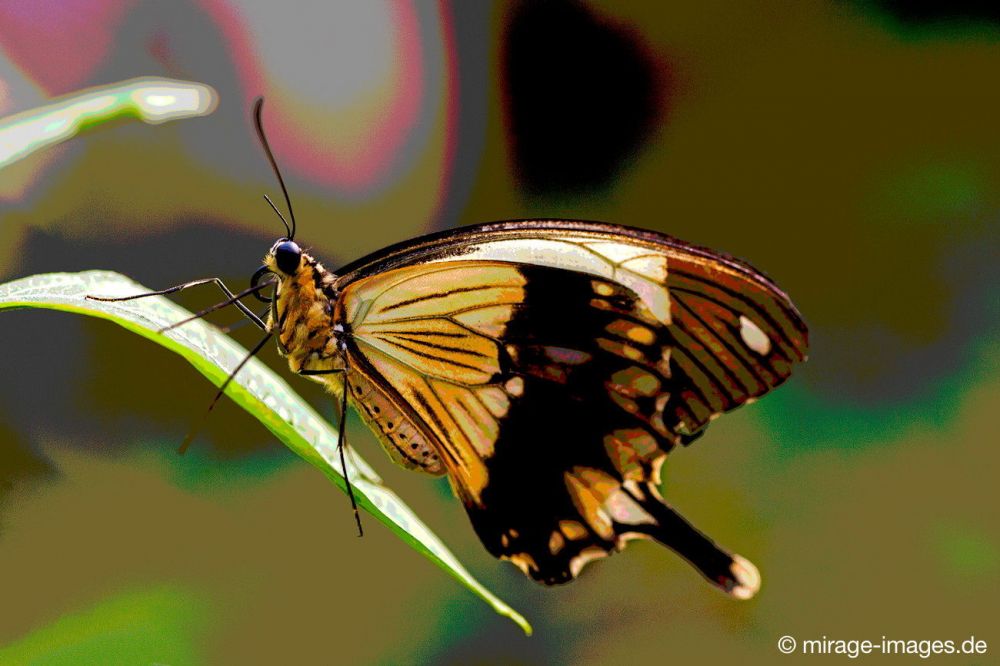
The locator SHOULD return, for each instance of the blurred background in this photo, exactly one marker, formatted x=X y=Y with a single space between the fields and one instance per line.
x=849 y=149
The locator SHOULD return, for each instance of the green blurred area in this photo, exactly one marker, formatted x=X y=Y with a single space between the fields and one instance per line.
x=852 y=157
x=131 y=628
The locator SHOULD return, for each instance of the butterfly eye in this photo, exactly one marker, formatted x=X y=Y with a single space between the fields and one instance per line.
x=287 y=255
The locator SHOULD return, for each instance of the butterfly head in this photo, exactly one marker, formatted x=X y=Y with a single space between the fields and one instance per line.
x=284 y=258
x=282 y=262
x=289 y=267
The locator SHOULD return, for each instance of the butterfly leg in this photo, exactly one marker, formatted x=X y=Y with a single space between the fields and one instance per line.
x=231 y=299
x=341 y=434
x=222 y=389
x=731 y=573
x=243 y=322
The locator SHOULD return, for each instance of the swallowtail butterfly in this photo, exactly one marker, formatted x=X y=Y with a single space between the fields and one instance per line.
x=547 y=367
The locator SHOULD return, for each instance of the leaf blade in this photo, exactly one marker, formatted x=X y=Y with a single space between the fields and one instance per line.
x=257 y=389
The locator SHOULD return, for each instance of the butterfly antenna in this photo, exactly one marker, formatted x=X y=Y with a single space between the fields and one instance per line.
x=282 y=217
x=342 y=431
x=257 y=106
x=222 y=389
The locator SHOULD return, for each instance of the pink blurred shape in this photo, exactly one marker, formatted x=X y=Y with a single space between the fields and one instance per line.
x=352 y=139
x=60 y=42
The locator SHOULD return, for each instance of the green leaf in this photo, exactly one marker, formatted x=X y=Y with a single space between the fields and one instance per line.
x=256 y=388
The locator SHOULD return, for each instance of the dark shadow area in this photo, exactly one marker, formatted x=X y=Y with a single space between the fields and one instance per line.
x=19 y=464
x=582 y=95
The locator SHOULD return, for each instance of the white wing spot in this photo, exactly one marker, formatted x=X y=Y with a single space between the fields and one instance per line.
x=746 y=576
x=754 y=338
x=626 y=510
x=515 y=386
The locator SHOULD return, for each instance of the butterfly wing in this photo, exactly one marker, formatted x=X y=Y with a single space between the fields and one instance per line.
x=552 y=365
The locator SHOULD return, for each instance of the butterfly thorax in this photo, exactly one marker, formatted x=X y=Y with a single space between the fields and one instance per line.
x=302 y=317
x=306 y=317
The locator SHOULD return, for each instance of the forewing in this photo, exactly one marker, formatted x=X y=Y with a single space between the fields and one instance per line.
x=430 y=335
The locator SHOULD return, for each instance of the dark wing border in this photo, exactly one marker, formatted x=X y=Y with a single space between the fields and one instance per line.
x=451 y=241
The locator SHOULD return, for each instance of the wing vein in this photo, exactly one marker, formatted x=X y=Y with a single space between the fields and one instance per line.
x=432 y=345
x=736 y=354
x=752 y=305
x=433 y=357
x=445 y=294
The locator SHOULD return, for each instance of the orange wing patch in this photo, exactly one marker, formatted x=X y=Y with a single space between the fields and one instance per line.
x=436 y=290
x=431 y=333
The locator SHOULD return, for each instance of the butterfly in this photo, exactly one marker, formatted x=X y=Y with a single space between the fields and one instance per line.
x=547 y=367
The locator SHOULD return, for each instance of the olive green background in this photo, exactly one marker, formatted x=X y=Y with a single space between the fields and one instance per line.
x=852 y=155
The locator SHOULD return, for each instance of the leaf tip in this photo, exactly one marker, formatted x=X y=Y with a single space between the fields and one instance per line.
x=519 y=621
